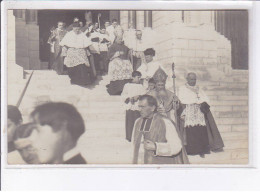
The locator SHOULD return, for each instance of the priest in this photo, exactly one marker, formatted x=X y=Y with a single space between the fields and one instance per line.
x=200 y=132
x=75 y=43
x=155 y=139
x=120 y=69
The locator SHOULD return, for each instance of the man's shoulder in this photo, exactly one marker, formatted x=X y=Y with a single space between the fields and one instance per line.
x=78 y=159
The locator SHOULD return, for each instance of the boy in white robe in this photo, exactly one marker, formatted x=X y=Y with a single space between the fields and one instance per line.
x=130 y=95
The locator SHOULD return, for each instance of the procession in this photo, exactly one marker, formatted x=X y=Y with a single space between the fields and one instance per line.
x=163 y=126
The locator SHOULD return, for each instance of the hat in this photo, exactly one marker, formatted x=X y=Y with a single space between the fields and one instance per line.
x=149 y=51
x=160 y=75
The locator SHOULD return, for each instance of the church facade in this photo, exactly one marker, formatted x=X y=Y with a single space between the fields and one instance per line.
x=210 y=43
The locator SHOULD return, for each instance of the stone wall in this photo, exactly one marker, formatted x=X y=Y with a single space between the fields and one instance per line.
x=15 y=72
x=27 y=44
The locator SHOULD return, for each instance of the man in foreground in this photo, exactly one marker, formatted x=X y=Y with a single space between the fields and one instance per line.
x=14 y=119
x=56 y=130
x=155 y=138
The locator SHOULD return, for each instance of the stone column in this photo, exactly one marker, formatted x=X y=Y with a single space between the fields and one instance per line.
x=132 y=18
x=140 y=20
x=88 y=16
x=114 y=15
x=31 y=16
x=148 y=19
x=124 y=19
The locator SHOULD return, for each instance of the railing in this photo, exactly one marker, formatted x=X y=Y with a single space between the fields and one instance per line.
x=24 y=91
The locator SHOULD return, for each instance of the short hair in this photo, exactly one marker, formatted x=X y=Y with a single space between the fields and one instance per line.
x=24 y=131
x=114 y=20
x=190 y=73
x=151 y=80
x=14 y=114
x=136 y=73
x=60 y=22
x=150 y=100
x=55 y=114
x=149 y=51
x=75 y=24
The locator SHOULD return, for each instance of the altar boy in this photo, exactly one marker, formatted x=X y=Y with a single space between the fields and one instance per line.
x=130 y=95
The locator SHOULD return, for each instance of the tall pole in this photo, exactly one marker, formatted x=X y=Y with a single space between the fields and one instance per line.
x=99 y=15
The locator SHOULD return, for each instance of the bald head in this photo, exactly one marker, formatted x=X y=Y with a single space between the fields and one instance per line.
x=191 y=78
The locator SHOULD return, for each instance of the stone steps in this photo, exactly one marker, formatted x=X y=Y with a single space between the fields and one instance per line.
x=104 y=117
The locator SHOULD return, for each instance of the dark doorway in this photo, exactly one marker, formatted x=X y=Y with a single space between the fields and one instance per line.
x=234 y=26
x=49 y=18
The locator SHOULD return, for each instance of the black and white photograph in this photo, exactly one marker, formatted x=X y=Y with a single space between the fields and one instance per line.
x=127 y=87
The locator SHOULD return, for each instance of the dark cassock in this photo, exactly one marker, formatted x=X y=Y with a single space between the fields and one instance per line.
x=199 y=130
x=120 y=69
x=54 y=40
x=162 y=132
x=76 y=58
x=167 y=105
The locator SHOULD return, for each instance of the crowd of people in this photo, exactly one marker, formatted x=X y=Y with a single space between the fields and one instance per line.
x=87 y=51
x=164 y=127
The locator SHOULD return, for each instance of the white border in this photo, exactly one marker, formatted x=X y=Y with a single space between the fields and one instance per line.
x=13 y=178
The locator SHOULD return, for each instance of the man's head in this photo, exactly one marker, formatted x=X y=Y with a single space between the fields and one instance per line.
x=160 y=78
x=107 y=23
x=96 y=25
x=102 y=30
x=138 y=34
x=114 y=23
x=160 y=85
x=149 y=54
x=191 y=79
x=76 y=27
x=76 y=19
x=81 y=24
x=131 y=25
x=14 y=119
x=151 y=84
x=136 y=75
x=88 y=22
x=61 y=25
x=147 y=105
x=58 y=128
x=23 y=143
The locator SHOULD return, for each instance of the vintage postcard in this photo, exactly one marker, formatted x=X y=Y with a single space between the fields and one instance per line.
x=127 y=87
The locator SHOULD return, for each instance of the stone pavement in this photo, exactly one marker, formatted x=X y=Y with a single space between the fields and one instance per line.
x=104 y=140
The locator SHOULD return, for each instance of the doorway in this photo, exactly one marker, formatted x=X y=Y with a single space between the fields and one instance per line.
x=49 y=18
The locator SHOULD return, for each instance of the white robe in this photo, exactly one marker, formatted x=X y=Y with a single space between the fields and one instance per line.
x=131 y=90
x=73 y=40
x=192 y=97
x=187 y=96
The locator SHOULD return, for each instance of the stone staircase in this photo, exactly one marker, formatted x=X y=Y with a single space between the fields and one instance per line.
x=104 y=140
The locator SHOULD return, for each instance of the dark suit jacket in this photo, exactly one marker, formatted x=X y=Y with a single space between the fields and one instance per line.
x=78 y=159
